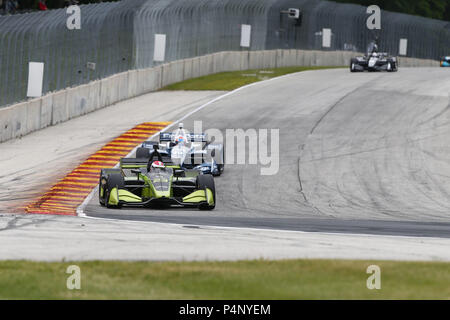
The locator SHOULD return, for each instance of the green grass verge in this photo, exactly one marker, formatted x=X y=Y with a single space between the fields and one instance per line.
x=235 y=79
x=259 y=279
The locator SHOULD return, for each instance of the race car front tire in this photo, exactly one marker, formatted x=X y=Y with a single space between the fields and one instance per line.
x=102 y=190
x=395 y=67
x=352 y=66
x=102 y=184
x=114 y=180
x=207 y=181
x=392 y=66
x=221 y=166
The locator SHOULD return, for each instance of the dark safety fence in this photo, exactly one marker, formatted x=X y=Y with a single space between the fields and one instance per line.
x=119 y=36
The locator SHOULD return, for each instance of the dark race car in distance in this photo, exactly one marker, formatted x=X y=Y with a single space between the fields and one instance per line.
x=374 y=61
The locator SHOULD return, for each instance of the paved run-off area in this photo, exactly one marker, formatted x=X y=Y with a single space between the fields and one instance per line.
x=31 y=165
x=353 y=139
x=66 y=238
x=70 y=192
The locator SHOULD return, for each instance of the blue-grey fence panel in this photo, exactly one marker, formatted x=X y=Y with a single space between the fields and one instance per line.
x=105 y=38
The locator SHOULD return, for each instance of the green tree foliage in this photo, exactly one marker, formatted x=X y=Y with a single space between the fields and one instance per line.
x=447 y=13
x=53 y=4
x=436 y=9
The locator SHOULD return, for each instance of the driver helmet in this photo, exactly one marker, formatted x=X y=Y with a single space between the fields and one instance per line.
x=157 y=164
x=180 y=139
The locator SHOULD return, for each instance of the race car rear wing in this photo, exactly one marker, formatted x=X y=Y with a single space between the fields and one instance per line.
x=197 y=137
x=133 y=163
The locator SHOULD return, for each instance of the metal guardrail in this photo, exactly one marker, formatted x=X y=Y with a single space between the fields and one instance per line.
x=119 y=36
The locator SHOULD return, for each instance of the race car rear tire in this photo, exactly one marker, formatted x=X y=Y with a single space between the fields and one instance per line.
x=395 y=67
x=390 y=67
x=143 y=153
x=114 y=180
x=207 y=181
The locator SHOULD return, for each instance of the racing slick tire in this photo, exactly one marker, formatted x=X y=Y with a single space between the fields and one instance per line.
x=352 y=65
x=102 y=184
x=207 y=181
x=392 y=66
x=389 y=67
x=221 y=167
x=143 y=153
x=395 y=68
x=102 y=189
x=114 y=180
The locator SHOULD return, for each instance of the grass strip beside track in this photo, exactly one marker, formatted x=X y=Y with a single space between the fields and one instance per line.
x=234 y=79
x=259 y=279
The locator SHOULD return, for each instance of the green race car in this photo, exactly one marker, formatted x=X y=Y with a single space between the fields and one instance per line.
x=148 y=183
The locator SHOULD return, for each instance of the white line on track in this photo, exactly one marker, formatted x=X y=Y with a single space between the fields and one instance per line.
x=209 y=227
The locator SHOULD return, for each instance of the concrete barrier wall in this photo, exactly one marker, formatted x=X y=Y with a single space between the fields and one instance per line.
x=413 y=62
x=56 y=107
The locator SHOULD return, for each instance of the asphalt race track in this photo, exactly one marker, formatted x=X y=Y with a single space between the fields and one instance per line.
x=359 y=153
